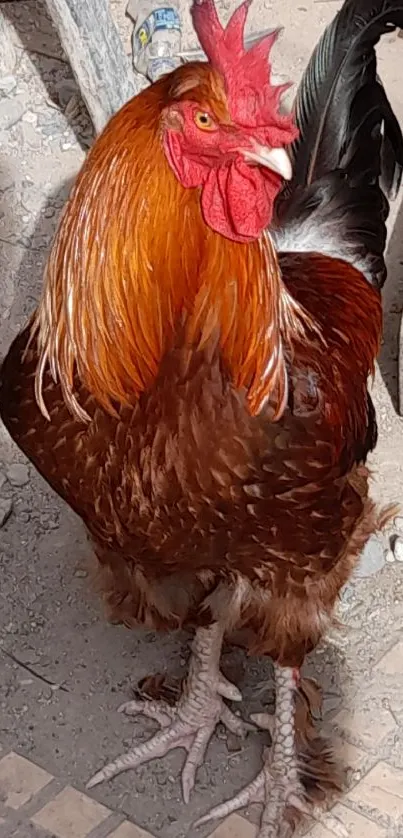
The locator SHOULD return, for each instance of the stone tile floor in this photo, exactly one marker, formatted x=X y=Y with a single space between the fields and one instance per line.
x=36 y=804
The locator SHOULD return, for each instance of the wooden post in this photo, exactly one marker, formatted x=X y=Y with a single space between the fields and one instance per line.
x=7 y=51
x=95 y=51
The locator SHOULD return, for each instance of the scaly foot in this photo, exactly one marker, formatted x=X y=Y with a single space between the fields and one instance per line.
x=191 y=724
x=282 y=785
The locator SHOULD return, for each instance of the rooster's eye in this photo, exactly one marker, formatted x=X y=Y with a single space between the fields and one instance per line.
x=204 y=121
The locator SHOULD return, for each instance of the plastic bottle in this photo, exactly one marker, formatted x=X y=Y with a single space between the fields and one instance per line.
x=156 y=39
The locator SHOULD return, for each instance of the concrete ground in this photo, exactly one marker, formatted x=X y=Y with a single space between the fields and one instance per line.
x=63 y=670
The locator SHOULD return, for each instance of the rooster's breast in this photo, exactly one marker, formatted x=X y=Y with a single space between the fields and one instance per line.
x=184 y=490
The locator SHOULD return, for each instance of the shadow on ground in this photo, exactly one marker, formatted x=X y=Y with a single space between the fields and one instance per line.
x=40 y=40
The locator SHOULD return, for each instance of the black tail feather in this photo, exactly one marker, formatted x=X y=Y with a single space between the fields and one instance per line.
x=348 y=159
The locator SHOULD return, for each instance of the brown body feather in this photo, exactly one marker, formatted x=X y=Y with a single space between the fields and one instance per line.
x=193 y=503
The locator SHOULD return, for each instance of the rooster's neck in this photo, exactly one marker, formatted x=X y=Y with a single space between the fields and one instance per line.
x=134 y=265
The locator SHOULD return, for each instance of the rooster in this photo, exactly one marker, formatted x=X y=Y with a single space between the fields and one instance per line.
x=194 y=380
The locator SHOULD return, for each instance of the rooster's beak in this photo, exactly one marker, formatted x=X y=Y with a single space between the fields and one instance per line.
x=275 y=159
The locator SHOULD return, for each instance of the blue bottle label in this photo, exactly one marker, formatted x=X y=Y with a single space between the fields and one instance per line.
x=164 y=18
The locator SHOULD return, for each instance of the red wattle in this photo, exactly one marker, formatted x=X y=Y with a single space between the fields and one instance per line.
x=237 y=200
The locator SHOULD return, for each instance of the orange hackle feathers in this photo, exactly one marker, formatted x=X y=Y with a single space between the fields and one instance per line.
x=134 y=265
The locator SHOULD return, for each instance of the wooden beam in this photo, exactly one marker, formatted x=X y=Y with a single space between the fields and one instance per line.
x=7 y=51
x=95 y=51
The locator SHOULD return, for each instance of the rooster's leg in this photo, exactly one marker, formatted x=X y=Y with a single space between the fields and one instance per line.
x=277 y=786
x=191 y=724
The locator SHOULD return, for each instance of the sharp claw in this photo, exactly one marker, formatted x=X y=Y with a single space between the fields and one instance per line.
x=95 y=780
x=187 y=788
x=228 y=690
x=253 y=793
x=234 y=724
x=219 y=812
x=263 y=720
x=156 y=747
x=158 y=711
x=131 y=708
x=299 y=804
x=194 y=759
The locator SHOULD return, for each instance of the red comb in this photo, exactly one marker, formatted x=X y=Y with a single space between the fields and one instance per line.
x=253 y=100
